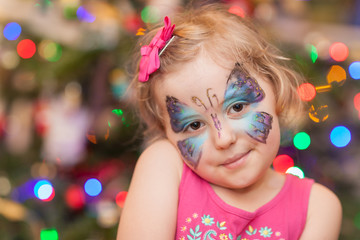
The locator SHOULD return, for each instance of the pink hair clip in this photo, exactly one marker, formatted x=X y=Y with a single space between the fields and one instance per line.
x=150 y=61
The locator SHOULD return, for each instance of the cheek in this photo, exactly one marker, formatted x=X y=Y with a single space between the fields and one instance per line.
x=256 y=124
x=191 y=149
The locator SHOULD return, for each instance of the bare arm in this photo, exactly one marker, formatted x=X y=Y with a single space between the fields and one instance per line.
x=324 y=215
x=150 y=209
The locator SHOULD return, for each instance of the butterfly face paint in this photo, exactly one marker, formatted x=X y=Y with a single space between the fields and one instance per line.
x=244 y=90
x=260 y=125
x=191 y=149
x=181 y=116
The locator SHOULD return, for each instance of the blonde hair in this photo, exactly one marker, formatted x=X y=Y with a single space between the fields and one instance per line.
x=213 y=29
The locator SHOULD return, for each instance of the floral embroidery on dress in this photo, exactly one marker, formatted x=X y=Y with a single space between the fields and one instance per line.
x=207 y=220
x=251 y=231
x=206 y=230
x=265 y=232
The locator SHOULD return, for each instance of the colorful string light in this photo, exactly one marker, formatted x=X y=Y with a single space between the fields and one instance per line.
x=302 y=140
x=84 y=15
x=296 y=171
x=340 y=136
x=307 y=92
x=339 y=51
x=93 y=187
x=49 y=234
x=26 y=48
x=44 y=190
x=120 y=198
x=282 y=163
x=354 y=70
x=12 y=31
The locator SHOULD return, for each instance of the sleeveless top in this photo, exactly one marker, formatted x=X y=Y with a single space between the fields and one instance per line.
x=203 y=215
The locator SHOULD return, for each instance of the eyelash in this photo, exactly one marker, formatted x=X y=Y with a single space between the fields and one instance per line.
x=189 y=129
x=230 y=108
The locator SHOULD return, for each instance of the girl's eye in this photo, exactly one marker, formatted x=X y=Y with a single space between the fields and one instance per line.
x=194 y=126
x=236 y=107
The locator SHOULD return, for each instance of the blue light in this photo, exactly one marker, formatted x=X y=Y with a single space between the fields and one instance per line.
x=93 y=187
x=43 y=189
x=340 y=136
x=354 y=70
x=12 y=31
x=84 y=15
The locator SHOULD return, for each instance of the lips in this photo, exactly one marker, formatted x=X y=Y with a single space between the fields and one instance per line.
x=236 y=160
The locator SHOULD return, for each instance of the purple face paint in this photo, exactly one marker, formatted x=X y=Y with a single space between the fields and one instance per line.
x=191 y=149
x=217 y=123
x=242 y=88
x=260 y=125
x=180 y=114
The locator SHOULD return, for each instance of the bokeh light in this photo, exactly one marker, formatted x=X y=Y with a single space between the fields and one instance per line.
x=93 y=187
x=307 y=92
x=313 y=53
x=357 y=220
x=84 y=15
x=354 y=70
x=12 y=31
x=302 y=140
x=357 y=101
x=339 y=51
x=50 y=50
x=5 y=186
x=49 y=234
x=282 y=163
x=318 y=114
x=336 y=74
x=296 y=171
x=120 y=198
x=75 y=197
x=150 y=14
x=44 y=190
x=340 y=136
x=237 y=10
x=26 y=48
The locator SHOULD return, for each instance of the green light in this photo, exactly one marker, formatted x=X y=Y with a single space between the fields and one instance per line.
x=357 y=220
x=118 y=112
x=49 y=234
x=150 y=14
x=302 y=140
x=313 y=54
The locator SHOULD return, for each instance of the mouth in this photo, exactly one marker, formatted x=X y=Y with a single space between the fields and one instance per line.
x=236 y=160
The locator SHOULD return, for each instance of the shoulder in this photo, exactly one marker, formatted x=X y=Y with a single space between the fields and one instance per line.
x=159 y=156
x=324 y=214
x=152 y=195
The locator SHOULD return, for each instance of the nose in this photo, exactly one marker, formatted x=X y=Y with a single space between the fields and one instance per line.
x=224 y=136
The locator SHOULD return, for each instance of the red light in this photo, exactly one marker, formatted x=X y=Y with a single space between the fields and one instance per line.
x=237 y=11
x=339 y=51
x=307 y=92
x=26 y=48
x=282 y=163
x=74 y=197
x=357 y=101
x=120 y=198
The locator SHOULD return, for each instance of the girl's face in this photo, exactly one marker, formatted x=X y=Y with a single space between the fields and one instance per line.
x=223 y=122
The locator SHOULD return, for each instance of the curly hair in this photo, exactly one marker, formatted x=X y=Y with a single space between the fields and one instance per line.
x=211 y=28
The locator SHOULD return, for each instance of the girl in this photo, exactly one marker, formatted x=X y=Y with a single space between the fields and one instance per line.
x=213 y=95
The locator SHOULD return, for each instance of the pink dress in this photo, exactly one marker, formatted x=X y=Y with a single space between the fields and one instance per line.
x=203 y=215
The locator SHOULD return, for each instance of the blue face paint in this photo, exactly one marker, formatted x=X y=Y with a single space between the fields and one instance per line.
x=191 y=149
x=180 y=114
x=245 y=90
x=260 y=125
x=242 y=88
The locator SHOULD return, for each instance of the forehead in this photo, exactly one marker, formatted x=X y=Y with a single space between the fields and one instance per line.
x=193 y=78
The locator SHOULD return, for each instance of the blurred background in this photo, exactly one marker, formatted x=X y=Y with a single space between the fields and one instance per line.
x=69 y=140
